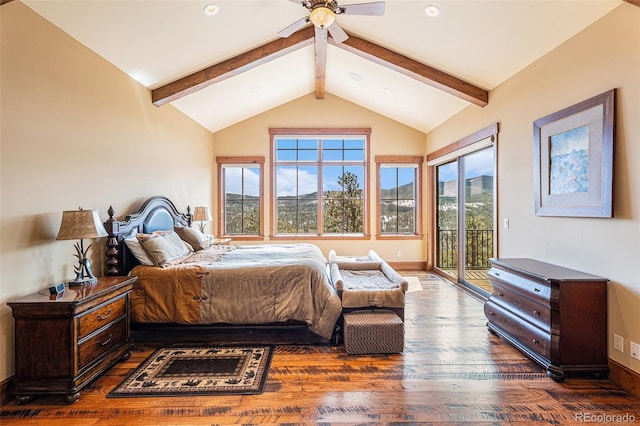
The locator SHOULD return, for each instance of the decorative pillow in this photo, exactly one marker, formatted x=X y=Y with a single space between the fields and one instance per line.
x=164 y=247
x=136 y=248
x=194 y=237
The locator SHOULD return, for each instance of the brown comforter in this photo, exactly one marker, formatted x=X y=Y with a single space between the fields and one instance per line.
x=254 y=284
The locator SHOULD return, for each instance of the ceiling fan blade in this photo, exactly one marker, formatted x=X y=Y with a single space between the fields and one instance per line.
x=375 y=8
x=293 y=27
x=337 y=33
x=303 y=3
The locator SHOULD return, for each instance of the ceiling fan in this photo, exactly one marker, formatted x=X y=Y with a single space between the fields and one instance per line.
x=323 y=14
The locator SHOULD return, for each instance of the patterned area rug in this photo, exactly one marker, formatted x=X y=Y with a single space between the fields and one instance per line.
x=199 y=370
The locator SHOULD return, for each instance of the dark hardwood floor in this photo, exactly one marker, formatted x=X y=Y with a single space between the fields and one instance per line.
x=453 y=371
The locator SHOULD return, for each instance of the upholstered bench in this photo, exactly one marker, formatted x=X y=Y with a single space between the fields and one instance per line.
x=373 y=299
x=375 y=331
x=367 y=282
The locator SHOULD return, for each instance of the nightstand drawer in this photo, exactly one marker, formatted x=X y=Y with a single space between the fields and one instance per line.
x=95 y=346
x=103 y=315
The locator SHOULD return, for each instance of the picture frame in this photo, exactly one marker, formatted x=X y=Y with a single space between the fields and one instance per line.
x=573 y=159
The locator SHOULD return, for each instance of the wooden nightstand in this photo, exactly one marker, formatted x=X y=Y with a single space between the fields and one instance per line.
x=63 y=343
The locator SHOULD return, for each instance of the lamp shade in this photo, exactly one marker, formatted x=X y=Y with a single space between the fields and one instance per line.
x=79 y=224
x=201 y=214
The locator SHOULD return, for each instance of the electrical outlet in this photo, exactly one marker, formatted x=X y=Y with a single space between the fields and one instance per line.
x=506 y=224
x=635 y=350
x=618 y=343
x=399 y=254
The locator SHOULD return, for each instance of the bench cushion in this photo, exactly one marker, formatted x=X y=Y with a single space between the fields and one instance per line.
x=367 y=281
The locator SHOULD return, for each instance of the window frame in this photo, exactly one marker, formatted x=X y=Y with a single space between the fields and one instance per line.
x=418 y=162
x=319 y=133
x=239 y=162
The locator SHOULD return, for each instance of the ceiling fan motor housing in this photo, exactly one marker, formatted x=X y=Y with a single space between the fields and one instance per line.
x=333 y=5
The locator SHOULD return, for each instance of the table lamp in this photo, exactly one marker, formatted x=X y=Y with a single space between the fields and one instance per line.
x=77 y=225
x=202 y=214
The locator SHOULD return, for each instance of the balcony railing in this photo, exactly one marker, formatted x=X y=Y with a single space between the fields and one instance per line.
x=478 y=248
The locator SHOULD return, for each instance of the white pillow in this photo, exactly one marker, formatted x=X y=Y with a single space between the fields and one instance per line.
x=164 y=247
x=136 y=248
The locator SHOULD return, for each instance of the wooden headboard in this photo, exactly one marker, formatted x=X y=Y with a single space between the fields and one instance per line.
x=156 y=214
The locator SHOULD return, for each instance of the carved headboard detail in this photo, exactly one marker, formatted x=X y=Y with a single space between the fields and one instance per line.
x=157 y=213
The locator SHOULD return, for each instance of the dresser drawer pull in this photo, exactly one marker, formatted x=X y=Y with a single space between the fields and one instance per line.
x=537 y=290
x=104 y=317
x=536 y=313
x=535 y=341
x=492 y=314
x=500 y=295
x=107 y=341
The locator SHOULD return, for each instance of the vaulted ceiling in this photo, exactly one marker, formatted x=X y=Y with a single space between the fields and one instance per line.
x=413 y=68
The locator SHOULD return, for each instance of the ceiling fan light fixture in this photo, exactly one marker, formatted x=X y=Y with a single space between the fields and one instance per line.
x=322 y=17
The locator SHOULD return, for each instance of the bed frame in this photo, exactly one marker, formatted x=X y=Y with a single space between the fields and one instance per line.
x=157 y=213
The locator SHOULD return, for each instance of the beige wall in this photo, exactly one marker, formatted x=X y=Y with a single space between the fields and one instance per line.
x=388 y=137
x=604 y=56
x=75 y=131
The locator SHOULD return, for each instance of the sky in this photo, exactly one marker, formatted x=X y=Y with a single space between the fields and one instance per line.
x=299 y=180
x=479 y=163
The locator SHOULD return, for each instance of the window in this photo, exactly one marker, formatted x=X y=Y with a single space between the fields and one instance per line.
x=241 y=196
x=320 y=182
x=399 y=212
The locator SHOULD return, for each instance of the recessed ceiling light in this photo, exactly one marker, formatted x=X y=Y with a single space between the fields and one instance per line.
x=211 y=9
x=354 y=76
x=432 y=11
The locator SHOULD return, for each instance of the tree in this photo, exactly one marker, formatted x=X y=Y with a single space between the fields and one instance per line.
x=344 y=209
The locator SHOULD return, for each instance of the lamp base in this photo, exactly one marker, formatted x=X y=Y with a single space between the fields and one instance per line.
x=83 y=281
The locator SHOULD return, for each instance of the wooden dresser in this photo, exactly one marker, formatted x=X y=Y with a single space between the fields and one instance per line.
x=556 y=316
x=63 y=342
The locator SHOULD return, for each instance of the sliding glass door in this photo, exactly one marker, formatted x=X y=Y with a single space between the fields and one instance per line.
x=465 y=218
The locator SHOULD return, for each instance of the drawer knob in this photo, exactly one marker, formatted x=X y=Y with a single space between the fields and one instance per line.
x=536 y=313
x=535 y=341
x=104 y=317
x=491 y=314
x=108 y=340
x=500 y=295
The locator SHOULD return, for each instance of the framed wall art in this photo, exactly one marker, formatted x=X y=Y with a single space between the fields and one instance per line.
x=573 y=159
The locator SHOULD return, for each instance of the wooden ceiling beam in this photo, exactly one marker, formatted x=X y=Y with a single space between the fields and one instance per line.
x=231 y=67
x=414 y=69
x=321 y=60
x=280 y=47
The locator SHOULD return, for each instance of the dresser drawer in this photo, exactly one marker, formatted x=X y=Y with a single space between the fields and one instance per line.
x=92 y=348
x=528 y=334
x=537 y=290
x=528 y=309
x=101 y=316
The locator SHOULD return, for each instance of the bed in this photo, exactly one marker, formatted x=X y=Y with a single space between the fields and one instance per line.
x=235 y=285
